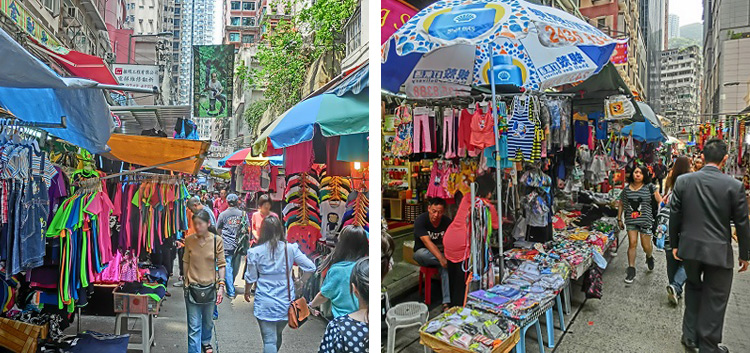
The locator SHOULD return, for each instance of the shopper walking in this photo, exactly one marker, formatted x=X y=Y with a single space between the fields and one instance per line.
x=204 y=266
x=350 y=333
x=230 y=224
x=675 y=271
x=267 y=266
x=220 y=203
x=352 y=246
x=636 y=202
x=264 y=210
x=457 y=235
x=429 y=229
x=704 y=204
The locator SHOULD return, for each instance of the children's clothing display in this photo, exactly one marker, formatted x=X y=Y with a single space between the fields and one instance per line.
x=302 y=215
x=402 y=144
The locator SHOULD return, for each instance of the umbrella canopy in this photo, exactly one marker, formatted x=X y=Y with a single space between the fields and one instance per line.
x=335 y=115
x=34 y=93
x=643 y=131
x=454 y=44
x=244 y=156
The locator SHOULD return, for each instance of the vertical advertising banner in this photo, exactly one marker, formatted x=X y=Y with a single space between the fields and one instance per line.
x=213 y=79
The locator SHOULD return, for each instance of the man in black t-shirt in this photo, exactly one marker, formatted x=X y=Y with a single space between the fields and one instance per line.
x=429 y=229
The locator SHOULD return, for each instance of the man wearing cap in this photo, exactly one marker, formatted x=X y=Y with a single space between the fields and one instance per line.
x=228 y=225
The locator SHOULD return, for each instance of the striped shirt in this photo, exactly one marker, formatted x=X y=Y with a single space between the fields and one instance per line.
x=637 y=206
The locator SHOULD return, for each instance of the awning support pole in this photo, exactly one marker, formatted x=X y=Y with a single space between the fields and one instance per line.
x=498 y=167
x=154 y=90
x=142 y=169
x=17 y=122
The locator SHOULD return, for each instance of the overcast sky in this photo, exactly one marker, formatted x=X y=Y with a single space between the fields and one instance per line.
x=690 y=11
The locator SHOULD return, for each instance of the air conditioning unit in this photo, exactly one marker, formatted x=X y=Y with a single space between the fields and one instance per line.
x=109 y=57
x=73 y=17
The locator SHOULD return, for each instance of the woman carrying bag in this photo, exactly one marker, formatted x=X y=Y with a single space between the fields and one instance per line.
x=204 y=266
x=269 y=264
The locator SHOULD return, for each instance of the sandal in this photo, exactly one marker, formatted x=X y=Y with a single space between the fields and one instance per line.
x=446 y=307
x=206 y=348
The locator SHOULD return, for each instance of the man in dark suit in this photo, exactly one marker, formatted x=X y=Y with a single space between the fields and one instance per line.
x=704 y=204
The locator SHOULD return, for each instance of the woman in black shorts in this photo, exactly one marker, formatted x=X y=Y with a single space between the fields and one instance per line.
x=636 y=204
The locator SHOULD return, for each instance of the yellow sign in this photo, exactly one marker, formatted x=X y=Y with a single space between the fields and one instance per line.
x=25 y=20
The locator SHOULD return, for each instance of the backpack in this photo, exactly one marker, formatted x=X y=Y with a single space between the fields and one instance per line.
x=662 y=223
x=593 y=284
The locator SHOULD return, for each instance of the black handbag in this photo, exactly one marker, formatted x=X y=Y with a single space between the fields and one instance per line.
x=200 y=294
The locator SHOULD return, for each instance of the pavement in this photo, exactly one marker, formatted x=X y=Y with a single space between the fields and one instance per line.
x=237 y=328
x=633 y=318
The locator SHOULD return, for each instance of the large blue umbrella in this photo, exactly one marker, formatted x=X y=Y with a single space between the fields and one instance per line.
x=643 y=131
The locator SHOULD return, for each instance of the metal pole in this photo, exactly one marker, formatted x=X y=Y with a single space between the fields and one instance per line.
x=498 y=171
x=130 y=44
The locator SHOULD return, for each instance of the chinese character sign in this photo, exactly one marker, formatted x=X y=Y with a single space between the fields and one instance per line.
x=213 y=79
x=446 y=72
x=141 y=76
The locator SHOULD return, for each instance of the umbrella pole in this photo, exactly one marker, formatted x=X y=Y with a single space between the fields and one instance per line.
x=499 y=173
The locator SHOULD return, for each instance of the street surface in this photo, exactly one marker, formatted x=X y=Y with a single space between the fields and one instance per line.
x=237 y=328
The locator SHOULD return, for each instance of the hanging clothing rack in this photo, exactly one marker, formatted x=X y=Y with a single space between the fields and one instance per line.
x=142 y=169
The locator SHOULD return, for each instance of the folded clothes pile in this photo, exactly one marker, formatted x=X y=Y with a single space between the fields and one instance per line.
x=470 y=329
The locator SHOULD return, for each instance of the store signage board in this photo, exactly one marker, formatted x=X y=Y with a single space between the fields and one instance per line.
x=25 y=20
x=393 y=15
x=620 y=55
x=446 y=72
x=141 y=76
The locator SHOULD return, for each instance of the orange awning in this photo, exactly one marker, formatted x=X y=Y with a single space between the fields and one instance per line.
x=159 y=151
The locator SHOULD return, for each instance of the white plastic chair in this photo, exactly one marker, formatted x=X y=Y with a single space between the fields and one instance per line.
x=402 y=316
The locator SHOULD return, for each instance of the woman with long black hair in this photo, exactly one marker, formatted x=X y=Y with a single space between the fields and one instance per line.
x=353 y=245
x=350 y=333
x=675 y=271
x=267 y=265
x=636 y=202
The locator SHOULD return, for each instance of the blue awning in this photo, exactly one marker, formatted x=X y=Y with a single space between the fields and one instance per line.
x=355 y=82
x=34 y=93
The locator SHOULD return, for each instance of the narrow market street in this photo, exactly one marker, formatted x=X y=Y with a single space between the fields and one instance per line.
x=639 y=318
x=237 y=329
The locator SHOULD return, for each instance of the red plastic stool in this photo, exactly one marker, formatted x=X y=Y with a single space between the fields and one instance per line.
x=426 y=274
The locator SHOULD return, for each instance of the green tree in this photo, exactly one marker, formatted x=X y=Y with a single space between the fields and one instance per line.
x=284 y=55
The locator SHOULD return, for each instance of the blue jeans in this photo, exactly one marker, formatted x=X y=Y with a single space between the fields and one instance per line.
x=675 y=272
x=34 y=214
x=200 y=325
x=233 y=266
x=425 y=258
x=270 y=331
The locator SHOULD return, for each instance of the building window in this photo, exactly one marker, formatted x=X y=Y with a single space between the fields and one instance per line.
x=235 y=5
x=248 y=38
x=177 y=11
x=234 y=37
x=234 y=21
x=248 y=21
x=176 y=34
x=176 y=22
x=248 y=6
x=601 y=23
x=352 y=32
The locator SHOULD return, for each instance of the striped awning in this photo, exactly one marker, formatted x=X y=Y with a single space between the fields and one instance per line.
x=355 y=82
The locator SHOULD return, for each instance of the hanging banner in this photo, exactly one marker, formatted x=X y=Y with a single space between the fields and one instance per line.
x=213 y=80
x=141 y=76
x=620 y=55
x=446 y=72
x=393 y=15
x=24 y=19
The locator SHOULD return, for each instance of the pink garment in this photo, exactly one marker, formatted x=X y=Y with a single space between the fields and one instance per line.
x=422 y=141
x=299 y=158
x=482 y=130
x=438 y=181
x=111 y=273
x=592 y=133
x=102 y=207
x=450 y=133
x=251 y=177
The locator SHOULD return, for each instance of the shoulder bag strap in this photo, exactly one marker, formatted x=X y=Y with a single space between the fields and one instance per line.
x=286 y=265
x=216 y=265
